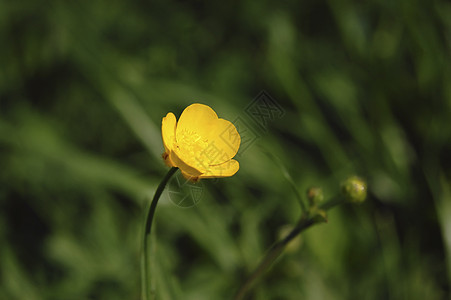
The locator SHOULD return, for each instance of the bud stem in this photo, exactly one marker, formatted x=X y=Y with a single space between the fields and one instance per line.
x=277 y=248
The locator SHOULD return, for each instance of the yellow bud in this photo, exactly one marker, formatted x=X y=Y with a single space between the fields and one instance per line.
x=354 y=189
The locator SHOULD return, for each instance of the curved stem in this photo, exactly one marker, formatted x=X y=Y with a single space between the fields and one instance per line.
x=277 y=248
x=147 y=231
x=288 y=177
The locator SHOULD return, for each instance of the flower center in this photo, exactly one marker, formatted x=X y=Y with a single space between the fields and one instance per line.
x=192 y=147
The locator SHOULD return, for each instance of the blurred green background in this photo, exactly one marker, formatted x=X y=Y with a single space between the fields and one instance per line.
x=365 y=89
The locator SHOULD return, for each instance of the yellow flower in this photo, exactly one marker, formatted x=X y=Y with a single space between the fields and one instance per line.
x=200 y=144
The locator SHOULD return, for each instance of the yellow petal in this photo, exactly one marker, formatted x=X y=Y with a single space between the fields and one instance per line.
x=168 y=125
x=203 y=143
x=225 y=169
x=196 y=118
x=190 y=177
x=224 y=142
x=187 y=166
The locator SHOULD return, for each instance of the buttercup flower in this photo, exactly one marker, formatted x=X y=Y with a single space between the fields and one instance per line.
x=200 y=144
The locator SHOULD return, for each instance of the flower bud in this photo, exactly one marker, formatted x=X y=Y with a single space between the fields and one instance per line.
x=354 y=189
x=315 y=195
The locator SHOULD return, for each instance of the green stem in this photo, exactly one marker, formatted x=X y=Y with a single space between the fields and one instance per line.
x=147 y=231
x=288 y=177
x=331 y=203
x=277 y=249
